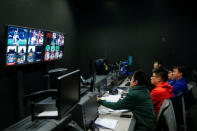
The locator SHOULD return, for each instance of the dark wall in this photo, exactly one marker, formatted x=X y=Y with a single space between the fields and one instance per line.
x=53 y=15
x=148 y=30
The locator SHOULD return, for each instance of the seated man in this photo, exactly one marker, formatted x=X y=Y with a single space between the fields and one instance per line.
x=157 y=64
x=179 y=83
x=162 y=89
x=138 y=100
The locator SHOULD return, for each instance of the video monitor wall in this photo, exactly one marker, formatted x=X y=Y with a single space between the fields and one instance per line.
x=54 y=46
x=28 y=45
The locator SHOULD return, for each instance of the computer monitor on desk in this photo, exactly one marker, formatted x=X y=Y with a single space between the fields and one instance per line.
x=68 y=91
x=67 y=97
x=53 y=74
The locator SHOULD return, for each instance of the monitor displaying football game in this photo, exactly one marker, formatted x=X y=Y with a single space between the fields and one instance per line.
x=35 y=45
x=28 y=45
x=16 y=45
x=54 y=46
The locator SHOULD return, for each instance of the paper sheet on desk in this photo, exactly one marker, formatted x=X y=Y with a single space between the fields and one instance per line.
x=107 y=111
x=106 y=123
x=48 y=113
x=111 y=98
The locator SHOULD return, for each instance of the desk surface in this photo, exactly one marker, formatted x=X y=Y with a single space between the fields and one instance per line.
x=39 y=125
x=124 y=124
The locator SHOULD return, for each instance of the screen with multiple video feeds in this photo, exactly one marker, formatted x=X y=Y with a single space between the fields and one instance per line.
x=35 y=45
x=27 y=45
x=54 y=46
x=16 y=45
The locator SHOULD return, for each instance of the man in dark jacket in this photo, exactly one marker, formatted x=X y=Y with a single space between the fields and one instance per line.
x=139 y=101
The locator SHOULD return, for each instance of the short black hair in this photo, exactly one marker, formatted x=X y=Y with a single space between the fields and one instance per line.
x=162 y=72
x=170 y=69
x=181 y=69
x=158 y=61
x=141 y=77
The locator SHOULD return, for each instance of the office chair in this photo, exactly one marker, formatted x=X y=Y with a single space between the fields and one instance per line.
x=179 y=109
x=166 y=120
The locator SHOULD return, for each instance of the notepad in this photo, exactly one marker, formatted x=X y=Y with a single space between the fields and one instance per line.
x=106 y=123
x=111 y=98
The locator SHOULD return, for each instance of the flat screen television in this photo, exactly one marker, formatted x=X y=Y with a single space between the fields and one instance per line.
x=35 y=45
x=29 y=45
x=54 y=48
x=68 y=91
x=17 y=38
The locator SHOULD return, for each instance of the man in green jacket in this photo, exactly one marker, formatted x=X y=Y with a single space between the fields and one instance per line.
x=139 y=101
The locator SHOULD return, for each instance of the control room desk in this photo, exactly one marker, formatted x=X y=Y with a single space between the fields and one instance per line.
x=123 y=124
x=41 y=125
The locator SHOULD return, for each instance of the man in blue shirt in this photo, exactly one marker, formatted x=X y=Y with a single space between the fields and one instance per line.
x=179 y=83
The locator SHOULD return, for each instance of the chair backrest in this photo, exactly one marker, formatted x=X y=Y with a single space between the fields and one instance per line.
x=189 y=98
x=190 y=85
x=163 y=107
x=194 y=91
x=166 y=120
x=179 y=109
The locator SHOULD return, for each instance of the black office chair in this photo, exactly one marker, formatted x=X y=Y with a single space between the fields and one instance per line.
x=194 y=91
x=166 y=120
x=179 y=109
x=189 y=98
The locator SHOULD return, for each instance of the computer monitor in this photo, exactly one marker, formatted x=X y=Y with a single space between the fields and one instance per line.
x=35 y=45
x=54 y=48
x=130 y=60
x=101 y=66
x=29 y=45
x=68 y=91
x=24 y=45
x=17 y=38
